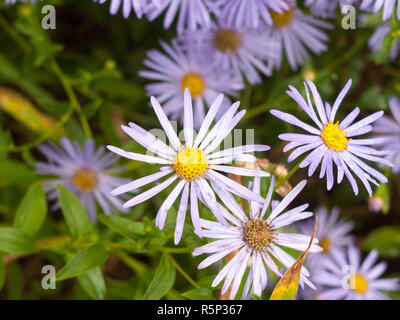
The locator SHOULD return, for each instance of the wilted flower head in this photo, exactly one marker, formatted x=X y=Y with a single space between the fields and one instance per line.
x=85 y=171
x=176 y=70
x=256 y=240
x=333 y=142
x=343 y=276
x=192 y=163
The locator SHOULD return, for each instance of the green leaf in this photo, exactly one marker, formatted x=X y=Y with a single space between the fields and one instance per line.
x=163 y=280
x=83 y=261
x=386 y=48
x=124 y=226
x=383 y=193
x=93 y=283
x=386 y=240
x=199 y=294
x=15 y=172
x=13 y=240
x=76 y=216
x=256 y=297
x=373 y=20
x=32 y=210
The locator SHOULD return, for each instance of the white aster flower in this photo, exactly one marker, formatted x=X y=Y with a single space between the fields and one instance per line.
x=192 y=13
x=389 y=7
x=192 y=164
x=127 y=6
x=257 y=241
x=390 y=129
x=345 y=277
x=295 y=33
x=241 y=51
x=326 y=9
x=334 y=143
x=249 y=13
x=377 y=38
x=176 y=70
x=83 y=170
x=332 y=232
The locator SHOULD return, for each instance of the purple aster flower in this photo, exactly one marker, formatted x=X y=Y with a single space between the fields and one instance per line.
x=249 y=13
x=14 y=1
x=326 y=9
x=389 y=7
x=376 y=40
x=257 y=239
x=345 y=277
x=294 y=32
x=192 y=13
x=243 y=52
x=177 y=70
x=333 y=142
x=127 y=6
x=85 y=171
x=390 y=128
x=192 y=164
x=332 y=232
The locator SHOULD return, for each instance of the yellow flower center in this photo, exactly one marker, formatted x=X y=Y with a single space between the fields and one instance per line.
x=85 y=180
x=325 y=245
x=190 y=163
x=258 y=234
x=358 y=283
x=194 y=82
x=283 y=19
x=227 y=40
x=334 y=137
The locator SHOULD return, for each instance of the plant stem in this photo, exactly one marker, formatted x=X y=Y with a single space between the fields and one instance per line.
x=182 y=272
x=72 y=97
x=134 y=264
x=289 y=175
x=14 y=35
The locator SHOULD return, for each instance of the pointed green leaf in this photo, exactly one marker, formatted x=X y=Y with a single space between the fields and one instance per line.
x=163 y=280
x=15 y=172
x=83 y=261
x=13 y=240
x=124 y=226
x=32 y=210
x=199 y=294
x=93 y=283
x=76 y=216
x=386 y=240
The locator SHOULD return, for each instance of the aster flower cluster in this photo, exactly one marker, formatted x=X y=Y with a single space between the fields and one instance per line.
x=246 y=215
x=337 y=271
x=222 y=54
